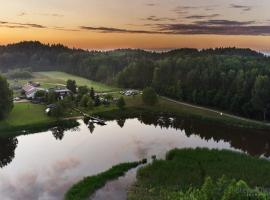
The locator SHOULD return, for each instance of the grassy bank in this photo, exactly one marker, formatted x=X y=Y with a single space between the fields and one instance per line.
x=31 y=118
x=86 y=187
x=135 y=106
x=187 y=168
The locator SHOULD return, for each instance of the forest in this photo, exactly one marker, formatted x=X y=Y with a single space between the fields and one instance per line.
x=230 y=79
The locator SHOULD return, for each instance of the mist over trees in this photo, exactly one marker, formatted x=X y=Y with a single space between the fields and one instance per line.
x=230 y=79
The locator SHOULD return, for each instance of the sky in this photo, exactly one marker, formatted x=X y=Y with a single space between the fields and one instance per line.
x=147 y=24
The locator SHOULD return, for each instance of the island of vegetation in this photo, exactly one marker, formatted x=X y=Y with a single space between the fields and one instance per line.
x=85 y=188
x=202 y=174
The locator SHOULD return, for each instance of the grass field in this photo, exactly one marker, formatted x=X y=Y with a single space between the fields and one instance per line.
x=52 y=79
x=25 y=115
x=187 y=168
x=61 y=78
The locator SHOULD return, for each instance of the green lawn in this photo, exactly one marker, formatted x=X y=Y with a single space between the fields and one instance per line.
x=25 y=115
x=61 y=78
x=187 y=168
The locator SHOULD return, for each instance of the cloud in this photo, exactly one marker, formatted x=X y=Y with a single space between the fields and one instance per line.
x=202 y=16
x=158 y=19
x=33 y=25
x=183 y=9
x=242 y=7
x=150 y=4
x=224 y=23
x=20 y=25
x=222 y=27
x=51 y=184
x=115 y=30
x=215 y=27
x=186 y=9
x=52 y=14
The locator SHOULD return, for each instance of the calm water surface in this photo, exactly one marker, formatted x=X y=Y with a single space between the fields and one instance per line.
x=43 y=166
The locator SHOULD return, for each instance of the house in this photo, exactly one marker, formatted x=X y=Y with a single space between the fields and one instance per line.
x=30 y=91
x=61 y=92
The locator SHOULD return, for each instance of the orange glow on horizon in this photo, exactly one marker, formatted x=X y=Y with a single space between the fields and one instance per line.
x=102 y=41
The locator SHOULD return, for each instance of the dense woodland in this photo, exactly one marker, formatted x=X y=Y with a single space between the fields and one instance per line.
x=230 y=79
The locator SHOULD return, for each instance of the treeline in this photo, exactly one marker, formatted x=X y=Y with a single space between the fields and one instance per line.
x=231 y=79
x=22 y=73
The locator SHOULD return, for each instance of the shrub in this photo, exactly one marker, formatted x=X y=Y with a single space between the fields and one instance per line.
x=121 y=103
x=149 y=96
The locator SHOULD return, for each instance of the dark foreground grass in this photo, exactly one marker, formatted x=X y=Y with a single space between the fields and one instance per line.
x=86 y=187
x=187 y=168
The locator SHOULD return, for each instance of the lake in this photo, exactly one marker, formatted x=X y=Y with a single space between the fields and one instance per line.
x=44 y=165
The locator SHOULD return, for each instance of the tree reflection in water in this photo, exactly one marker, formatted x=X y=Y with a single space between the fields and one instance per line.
x=254 y=142
x=91 y=127
x=7 y=150
x=59 y=131
x=121 y=122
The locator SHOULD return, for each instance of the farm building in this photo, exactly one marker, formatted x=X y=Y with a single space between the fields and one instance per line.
x=30 y=91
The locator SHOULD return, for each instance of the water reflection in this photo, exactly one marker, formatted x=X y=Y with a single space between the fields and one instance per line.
x=254 y=142
x=121 y=122
x=59 y=131
x=48 y=163
x=7 y=150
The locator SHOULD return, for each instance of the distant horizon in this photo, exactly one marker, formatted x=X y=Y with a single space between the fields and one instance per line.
x=158 y=50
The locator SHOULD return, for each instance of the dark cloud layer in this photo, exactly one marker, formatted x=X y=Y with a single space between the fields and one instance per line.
x=216 y=27
x=202 y=16
x=224 y=23
x=241 y=7
x=20 y=25
x=158 y=19
x=115 y=30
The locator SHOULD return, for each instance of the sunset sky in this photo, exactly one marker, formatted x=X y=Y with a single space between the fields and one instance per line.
x=148 y=24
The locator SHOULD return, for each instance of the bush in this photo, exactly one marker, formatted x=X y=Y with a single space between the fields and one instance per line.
x=84 y=101
x=121 y=103
x=149 y=96
x=72 y=86
x=6 y=98
x=58 y=111
x=222 y=189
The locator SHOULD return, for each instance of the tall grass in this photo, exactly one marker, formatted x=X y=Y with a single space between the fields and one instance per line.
x=86 y=187
x=187 y=168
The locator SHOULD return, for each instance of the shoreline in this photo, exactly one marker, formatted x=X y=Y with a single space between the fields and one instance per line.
x=135 y=108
